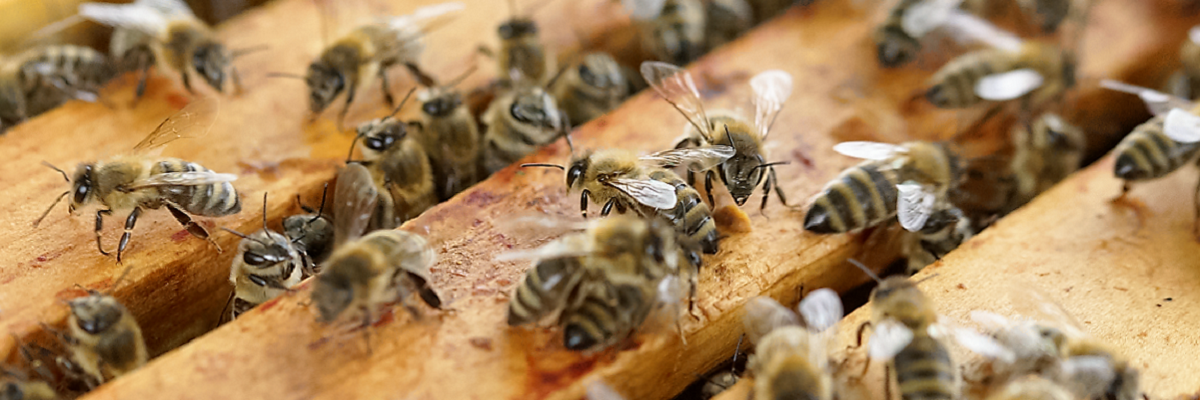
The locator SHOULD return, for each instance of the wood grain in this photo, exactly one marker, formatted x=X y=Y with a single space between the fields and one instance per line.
x=279 y=351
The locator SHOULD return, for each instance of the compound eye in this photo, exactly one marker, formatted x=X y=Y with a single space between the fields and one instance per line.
x=258 y=280
x=573 y=175
x=81 y=192
x=254 y=258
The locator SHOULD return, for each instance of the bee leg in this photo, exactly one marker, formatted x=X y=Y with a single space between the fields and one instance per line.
x=422 y=78
x=1196 y=221
x=187 y=83
x=583 y=202
x=191 y=226
x=99 y=227
x=608 y=207
x=867 y=363
x=366 y=328
x=129 y=222
x=237 y=81
x=226 y=309
x=143 y=77
x=708 y=178
x=346 y=109
x=887 y=382
x=387 y=88
x=691 y=178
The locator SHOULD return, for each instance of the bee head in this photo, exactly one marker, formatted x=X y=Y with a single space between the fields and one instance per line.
x=535 y=107
x=899 y=298
x=517 y=28
x=211 y=60
x=82 y=185
x=600 y=71
x=380 y=135
x=324 y=83
x=261 y=253
x=96 y=313
x=442 y=104
x=335 y=288
x=896 y=48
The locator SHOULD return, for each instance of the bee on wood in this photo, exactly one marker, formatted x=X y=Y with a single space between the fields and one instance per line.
x=622 y=180
x=450 y=136
x=311 y=232
x=726 y=20
x=102 y=338
x=17 y=388
x=591 y=88
x=399 y=166
x=352 y=62
x=1161 y=145
x=601 y=284
x=790 y=359
x=39 y=79
x=747 y=168
x=904 y=325
x=672 y=31
x=1044 y=154
x=898 y=37
x=944 y=231
x=142 y=181
x=518 y=122
x=906 y=181
x=267 y=265
x=522 y=54
x=168 y=33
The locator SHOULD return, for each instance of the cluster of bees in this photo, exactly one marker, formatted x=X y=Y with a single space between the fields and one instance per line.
x=607 y=278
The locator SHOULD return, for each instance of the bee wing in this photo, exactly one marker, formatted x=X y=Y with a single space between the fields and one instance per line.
x=695 y=159
x=888 y=339
x=676 y=86
x=821 y=309
x=598 y=390
x=967 y=28
x=983 y=345
x=422 y=16
x=989 y=320
x=771 y=89
x=167 y=7
x=914 y=205
x=926 y=16
x=868 y=150
x=1008 y=85
x=1194 y=34
x=139 y=17
x=354 y=200
x=1182 y=126
x=192 y=121
x=763 y=315
x=660 y=195
x=1085 y=373
x=1157 y=102
x=644 y=10
x=567 y=246
x=196 y=178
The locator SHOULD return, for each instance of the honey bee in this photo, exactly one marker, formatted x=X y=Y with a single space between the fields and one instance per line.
x=747 y=168
x=522 y=54
x=672 y=31
x=173 y=35
x=600 y=285
x=907 y=180
x=1049 y=14
x=450 y=136
x=16 y=388
x=311 y=233
x=790 y=359
x=591 y=88
x=399 y=166
x=141 y=181
x=1186 y=82
x=726 y=20
x=906 y=334
x=39 y=79
x=518 y=121
x=268 y=263
x=352 y=62
x=1045 y=153
x=944 y=231
x=102 y=337
x=898 y=37
x=622 y=180
x=1032 y=388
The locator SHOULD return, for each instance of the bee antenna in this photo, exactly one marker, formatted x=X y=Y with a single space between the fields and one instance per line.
x=926 y=278
x=286 y=75
x=51 y=166
x=561 y=70
x=772 y=164
x=120 y=279
x=543 y=165
x=264 y=215
x=248 y=50
x=406 y=96
x=47 y=212
x=865 y=269
x=463 y=76
x=320 y=208
x=239 y=234
x=570 y=144
x=352 y=144
x=728 y=135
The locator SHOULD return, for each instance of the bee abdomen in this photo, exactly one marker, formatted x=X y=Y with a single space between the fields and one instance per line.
x=589 y=325
x=543 y=285
x=1147 y=153
x=213 y=200
x=690 y=215
x=861 y=197
x=954 y=85
x=924 y=370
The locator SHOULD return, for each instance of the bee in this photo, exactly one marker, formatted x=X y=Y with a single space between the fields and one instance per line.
x=1045 y=153
x=16 y=388
x=1032 y=388
x=906 y=335
x=39 y=79
x=600 y=285
x=352 y=62
x=726 y=20
x=450 y=136
x=1161 y=145
x=591 y=88
x=173 y=36
x=944 y=231
x=311 y=232
x=671 y=31
x=268 y=263
x=1186 y=82
x=905 y=181
x=364 y=272
x=522 y=54
x=399 y=166
x=898 y=37
x=102 y=338
x=790 y=358
x=1049 y=14
x=747 y=168
x=622 y=180
x=140 y=181
x=518 y=121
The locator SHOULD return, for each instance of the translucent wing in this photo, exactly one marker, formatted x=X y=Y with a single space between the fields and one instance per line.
x=354 y=200
x=420 y=16
x=695 y=159
x=170 y=8
x=192 y=121
x=989 y=320
x=197 y=178
x=914 y=205
x=888 y=339
x=983 y=345
x=568 y=246
x=822 y=308
x=598 y=390
x=1157 y=102
x=967 y=28
x=868 y=150
x=660 y=195
x=644 y=10
x=138 y=17
x=676 y=86
x=1008 y=85
x=926 y=16
x=771 y=89
x=763 y=315
x=1182 y=126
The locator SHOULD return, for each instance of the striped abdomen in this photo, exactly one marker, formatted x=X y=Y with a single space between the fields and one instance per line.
x=924 y=370
x=544 y=289
x=953 y=86
x=604 y=317
x=861 y=197
x=677 y=35
x=893 y=45
x=691 y=216
x=78 y=66
x=1147 y=153
x=213 y=200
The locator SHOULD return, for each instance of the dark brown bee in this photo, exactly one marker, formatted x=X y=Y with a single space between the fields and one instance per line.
x=725 y=20
x=591 y=88
x=943 y=232
x=102 y=338
x=518 y=121
x=1044 y=154
x=400 y=169
x=450 y=136
x=311 y=233
x=267 y=265
x=522 y=54
x=37 y=80
x=673 y=31
x=378 y=268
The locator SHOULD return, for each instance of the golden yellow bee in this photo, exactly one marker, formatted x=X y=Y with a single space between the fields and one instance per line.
x=671 y=31
x=791 y=355
x=267 y=265
x=39 y=79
